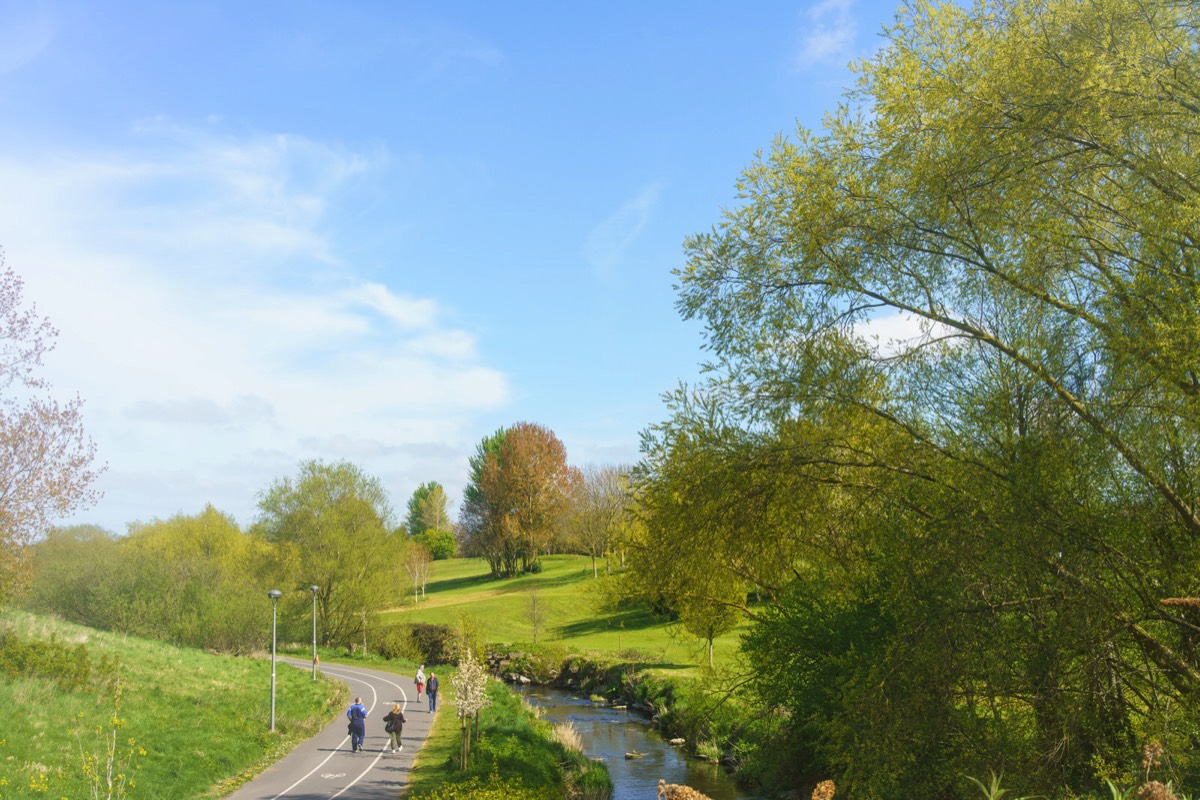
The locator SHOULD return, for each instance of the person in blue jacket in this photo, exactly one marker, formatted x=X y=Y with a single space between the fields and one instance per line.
x=358 y=726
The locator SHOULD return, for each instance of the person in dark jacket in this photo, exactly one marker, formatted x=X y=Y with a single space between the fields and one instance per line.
x=393 y=723
x=431 y=690
x=357 y=715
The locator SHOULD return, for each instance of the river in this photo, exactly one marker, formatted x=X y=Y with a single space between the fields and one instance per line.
x=609 y=734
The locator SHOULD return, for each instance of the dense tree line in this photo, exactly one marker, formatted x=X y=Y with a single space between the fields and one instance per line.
x=963 y=538
x=201 y=580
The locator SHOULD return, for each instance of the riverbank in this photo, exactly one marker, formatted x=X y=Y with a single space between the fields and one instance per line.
x=699 y=713
x=514 y=756
x=636 y=754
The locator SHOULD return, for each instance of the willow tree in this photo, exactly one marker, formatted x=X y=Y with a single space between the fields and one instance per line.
x=982 y=514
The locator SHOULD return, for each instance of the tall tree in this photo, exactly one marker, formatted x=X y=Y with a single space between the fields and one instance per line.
x=600 y=501
x=520 y=490
x=427 y=510
x=478 y=517
x=46 y=459
x=971 y=527
x=333 y=522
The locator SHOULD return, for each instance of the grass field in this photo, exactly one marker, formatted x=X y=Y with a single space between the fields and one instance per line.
x=198 y=723
x=574 y=616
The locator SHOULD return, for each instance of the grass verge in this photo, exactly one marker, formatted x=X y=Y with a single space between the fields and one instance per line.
x=184 y=724
x=512 y=743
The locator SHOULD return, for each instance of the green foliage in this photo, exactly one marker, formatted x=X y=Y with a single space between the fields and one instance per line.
x=514 y=744
x=493 y=787
x=192 y=580
x=427 y=510
x=72 y=668
x=332 y=525
x=964 y=535
x=62 y=733
x=440 y=543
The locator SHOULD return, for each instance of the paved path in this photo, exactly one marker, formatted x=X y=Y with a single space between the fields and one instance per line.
x=324 y=768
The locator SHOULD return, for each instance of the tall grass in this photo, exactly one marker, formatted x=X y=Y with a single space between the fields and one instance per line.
x=190 y=724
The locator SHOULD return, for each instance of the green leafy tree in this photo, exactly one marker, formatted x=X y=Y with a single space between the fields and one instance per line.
x=964 y=530
x=427 y=510
x=333 y=525
x=67 y=568
x=439 y=543
x=596 y=509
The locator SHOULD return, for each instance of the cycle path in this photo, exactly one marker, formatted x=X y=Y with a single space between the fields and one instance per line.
x=323 y=768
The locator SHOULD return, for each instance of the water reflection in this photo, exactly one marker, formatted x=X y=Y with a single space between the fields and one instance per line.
x=610 y=734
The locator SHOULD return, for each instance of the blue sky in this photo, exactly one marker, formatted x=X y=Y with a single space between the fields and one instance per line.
x=270 y=232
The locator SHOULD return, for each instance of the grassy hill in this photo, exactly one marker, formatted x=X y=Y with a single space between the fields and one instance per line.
x=574 y=617
x=193 y=725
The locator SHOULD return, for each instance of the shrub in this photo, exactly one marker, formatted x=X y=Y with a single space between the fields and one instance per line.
x=433 y=643
x=69 y=666
x=440 y=544
x=490 y=788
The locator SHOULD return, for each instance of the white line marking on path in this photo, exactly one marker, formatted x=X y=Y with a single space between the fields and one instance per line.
x=336 y=751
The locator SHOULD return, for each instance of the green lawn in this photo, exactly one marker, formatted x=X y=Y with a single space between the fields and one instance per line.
x=574 y=616
x=198 y=723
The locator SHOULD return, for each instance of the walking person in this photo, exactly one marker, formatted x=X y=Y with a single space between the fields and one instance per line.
x=393 y=724
x=420 y=681
x=357 y=715
x=431 y=690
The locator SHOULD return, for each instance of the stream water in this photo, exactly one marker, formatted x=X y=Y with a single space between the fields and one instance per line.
x=609 y=734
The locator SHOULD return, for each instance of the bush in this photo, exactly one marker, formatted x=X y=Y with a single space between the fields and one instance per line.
x=434 y=644
x=440 y=544
x=396 y=641
x=490 y=788
x=70 y=667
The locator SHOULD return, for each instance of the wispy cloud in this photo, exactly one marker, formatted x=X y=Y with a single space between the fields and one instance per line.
x=827 y=33
x=608 y=241
x=209 y=319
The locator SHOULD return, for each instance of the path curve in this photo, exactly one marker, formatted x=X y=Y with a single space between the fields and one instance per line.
x=323 y=768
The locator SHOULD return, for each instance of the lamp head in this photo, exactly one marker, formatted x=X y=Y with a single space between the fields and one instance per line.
x=274 y=594
x=313 y=589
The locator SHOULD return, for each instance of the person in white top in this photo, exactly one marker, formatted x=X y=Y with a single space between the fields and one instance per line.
x=420 y=680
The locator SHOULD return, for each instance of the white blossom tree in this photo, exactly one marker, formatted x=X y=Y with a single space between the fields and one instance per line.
x=470 y=690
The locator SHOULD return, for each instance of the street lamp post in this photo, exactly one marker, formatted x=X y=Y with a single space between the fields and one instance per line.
x=313 y=589
x=274 y=594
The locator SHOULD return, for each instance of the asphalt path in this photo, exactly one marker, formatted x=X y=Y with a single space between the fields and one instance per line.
x=324 y=768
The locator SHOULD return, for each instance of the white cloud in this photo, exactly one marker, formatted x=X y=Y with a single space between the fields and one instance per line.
x=827 y=34
x=896 y=333
x=209 y=322
x=607 y=242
